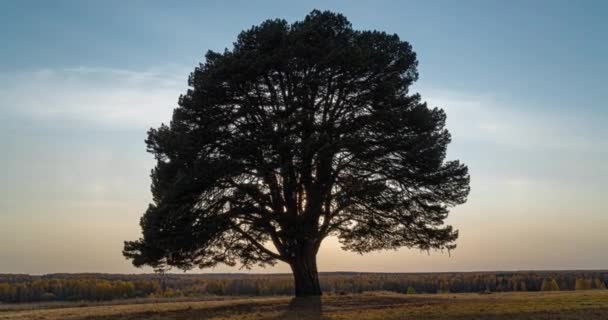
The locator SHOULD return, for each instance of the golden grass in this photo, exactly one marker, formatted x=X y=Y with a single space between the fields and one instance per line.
x=497 y=306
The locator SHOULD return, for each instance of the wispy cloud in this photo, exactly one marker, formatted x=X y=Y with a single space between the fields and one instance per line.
x=486 y=118
x=144 y=98
x=94 y=96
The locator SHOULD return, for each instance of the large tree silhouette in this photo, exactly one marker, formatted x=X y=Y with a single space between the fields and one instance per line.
x=301 y=131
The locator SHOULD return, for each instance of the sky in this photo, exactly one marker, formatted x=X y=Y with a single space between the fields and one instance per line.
x=523 y=84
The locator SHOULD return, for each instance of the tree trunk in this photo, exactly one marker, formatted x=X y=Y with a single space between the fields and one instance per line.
x=305 y=274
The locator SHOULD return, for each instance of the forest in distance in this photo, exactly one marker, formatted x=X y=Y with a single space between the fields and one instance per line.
x=16 y=288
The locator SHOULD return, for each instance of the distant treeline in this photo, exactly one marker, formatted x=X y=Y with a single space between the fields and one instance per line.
x=77 y=287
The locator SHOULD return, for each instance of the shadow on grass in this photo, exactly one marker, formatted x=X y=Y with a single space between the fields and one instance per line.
x=308 y=308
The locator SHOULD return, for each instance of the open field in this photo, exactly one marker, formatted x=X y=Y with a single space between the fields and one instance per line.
x=522 y=305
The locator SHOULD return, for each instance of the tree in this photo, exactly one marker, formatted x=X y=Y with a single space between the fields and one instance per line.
x=583 y=284
x=301 y=131
x=549 y=284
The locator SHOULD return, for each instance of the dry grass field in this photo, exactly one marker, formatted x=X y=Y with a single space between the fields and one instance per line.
x=527 y=305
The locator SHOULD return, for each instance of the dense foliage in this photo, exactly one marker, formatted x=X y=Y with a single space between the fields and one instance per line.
x=299 y=132
x=23 y=288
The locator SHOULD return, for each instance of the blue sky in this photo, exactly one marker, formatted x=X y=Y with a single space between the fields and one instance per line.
x=523 y=84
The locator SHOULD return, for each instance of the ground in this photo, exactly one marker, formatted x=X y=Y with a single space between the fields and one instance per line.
x=496 y=306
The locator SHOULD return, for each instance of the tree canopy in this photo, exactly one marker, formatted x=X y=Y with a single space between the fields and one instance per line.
x=299 y=132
